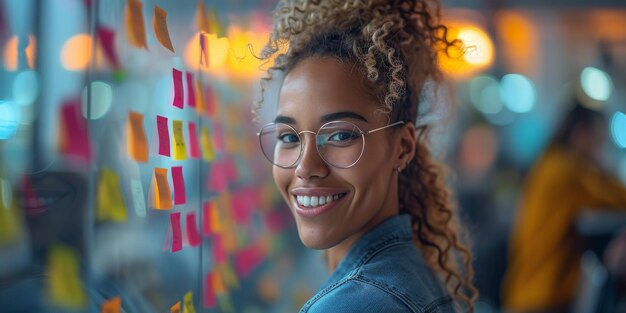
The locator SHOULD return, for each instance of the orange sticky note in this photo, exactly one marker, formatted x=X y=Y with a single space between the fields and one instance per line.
x=199 y=97
x=135 y=28
x=209 y=291
x=113 y=305
x=64 y=285
x=207 y=145
x=137 y=141
x=203 y=23
x=159 y=21
x=175 y=308
x=188 y=306
x=111 y=205
x=218 y=283
x=180 y=150
x=161 y=189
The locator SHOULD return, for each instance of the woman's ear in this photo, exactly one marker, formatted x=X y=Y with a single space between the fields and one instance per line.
x=407 y=137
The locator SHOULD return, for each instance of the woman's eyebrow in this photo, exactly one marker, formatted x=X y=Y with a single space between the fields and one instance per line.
x=284 y=119
x=340 y=115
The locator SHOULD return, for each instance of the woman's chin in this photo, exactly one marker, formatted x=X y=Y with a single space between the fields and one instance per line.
x=313 y=238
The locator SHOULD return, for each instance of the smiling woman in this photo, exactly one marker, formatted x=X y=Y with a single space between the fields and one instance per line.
x=351 y=162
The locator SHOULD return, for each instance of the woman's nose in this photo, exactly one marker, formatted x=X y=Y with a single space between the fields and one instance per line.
x=311 y=164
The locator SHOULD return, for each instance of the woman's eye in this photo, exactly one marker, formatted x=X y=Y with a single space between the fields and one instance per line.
x=288 y=138
x=341 y=136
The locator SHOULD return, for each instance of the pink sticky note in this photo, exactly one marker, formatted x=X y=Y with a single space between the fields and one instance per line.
x=192 y=230
x=180 y=195
x=206 y=219
x=217 y=178
x=275 y=222
x=177 y=240
x=194 y=146
x=248 y=259
x=209 y=291
x=107 y=39
x=209 y=100
x=191 y=93
x=241 y=208
x=219 y=253
x=177 y=76
x=164 y=136
x=230 y=169
x=75 y=137
x=218 y=136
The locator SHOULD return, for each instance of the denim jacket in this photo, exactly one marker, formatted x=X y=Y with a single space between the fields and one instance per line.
x=382 y=272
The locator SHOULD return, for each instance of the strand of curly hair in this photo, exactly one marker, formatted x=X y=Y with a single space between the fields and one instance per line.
x=394 y=43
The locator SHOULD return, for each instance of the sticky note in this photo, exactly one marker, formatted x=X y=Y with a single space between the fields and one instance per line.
x=113 y=305
x=110 y=202
x=241 y=209
x=139 y=200
x=208 y=299
x=191 y=93
x=218 y=283
x=248 y=259
x=206 y=219
x=64 y=285
x=199 y=97
x=194 y=144
x=106 y=37
x=10 y=226
x=218 y=181
x=137 y=141
x=214 y=23
x=219 y=253
x=180 y=195
x=201 y=18
x=74 y=136
x=228 y=274
x=177 y=239
x=218 y=136
x=188 y=306
x=230 y=169
x=159 y=22
x=192 y=230
x=135 y=28
x=177 y=77
x=161 y=189
x=175 y=308
x=164 y=136
x=207 y=145
x=210 y=101
x=180 y=149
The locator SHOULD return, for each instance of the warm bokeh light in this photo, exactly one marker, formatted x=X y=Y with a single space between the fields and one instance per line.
x=245 y=46
x=518 y=40
x=31 y=51
x=477 y=55
x=217 y=51
x=10 y=54
x=76 y=52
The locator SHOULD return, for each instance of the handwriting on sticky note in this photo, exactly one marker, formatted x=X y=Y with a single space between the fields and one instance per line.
x=177 y=77
x=159 y=22
x=180 y=194
x=74 y=137
x=188 y=306
x=175 y=308
x=139 y=200
x=111 y=205
x=113 y=305
x=180 y=149
x=64 y=285
x=161 y=189
x=177 y=239
x=107 y=40
x=208 y=299
x=137 y=141
x=191 y=93
x=193 y=235
x=208 y=154
x=248 y=259
x=194 y=144
x=135 y=28
x=164 y=135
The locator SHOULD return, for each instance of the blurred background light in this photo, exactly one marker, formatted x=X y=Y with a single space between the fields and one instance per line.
x=484 y=93
x=10 y=54
x=596 y=83
x=618 y=129
x=218 y=52
x=76 y=52
x=517 y=93
x=475 y=55
x=31 y=51
x=26 y=87
x=101 y=99
x=9 y=119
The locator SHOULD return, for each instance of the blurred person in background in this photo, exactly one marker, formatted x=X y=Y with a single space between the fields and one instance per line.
x=544 y=253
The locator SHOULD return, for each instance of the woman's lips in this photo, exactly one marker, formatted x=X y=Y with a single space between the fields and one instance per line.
x=311 y=199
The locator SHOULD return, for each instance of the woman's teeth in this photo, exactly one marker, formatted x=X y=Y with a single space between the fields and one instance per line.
x=314 y=201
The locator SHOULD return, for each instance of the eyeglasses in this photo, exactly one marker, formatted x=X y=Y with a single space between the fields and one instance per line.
x=339 y=143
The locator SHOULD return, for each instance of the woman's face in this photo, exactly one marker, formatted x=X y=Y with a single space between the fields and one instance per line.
x=315 y=91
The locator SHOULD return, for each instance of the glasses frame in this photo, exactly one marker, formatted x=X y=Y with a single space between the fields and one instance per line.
x=295 y=163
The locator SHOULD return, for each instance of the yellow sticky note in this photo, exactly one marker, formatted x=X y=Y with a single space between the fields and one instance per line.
x=203 y=23
x=110 y=202
x=207 y=145
x=180 y=150
x=10 y=224
x=137 y=141
x=159 y=21
x=161 y=190
x=113 y=305
x=64 y=285
x=175 y=308
x=214 y=23
x=188 y=303
x=228 y=273
x=135 y=28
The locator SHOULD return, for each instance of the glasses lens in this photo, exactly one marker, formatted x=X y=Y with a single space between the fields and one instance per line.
x=340 y=143
x=280 y=144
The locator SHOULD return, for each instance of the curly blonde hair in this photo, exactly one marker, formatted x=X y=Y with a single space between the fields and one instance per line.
x=394 y=44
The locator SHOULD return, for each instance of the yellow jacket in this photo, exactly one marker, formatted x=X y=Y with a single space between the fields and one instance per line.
x=544 y=251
